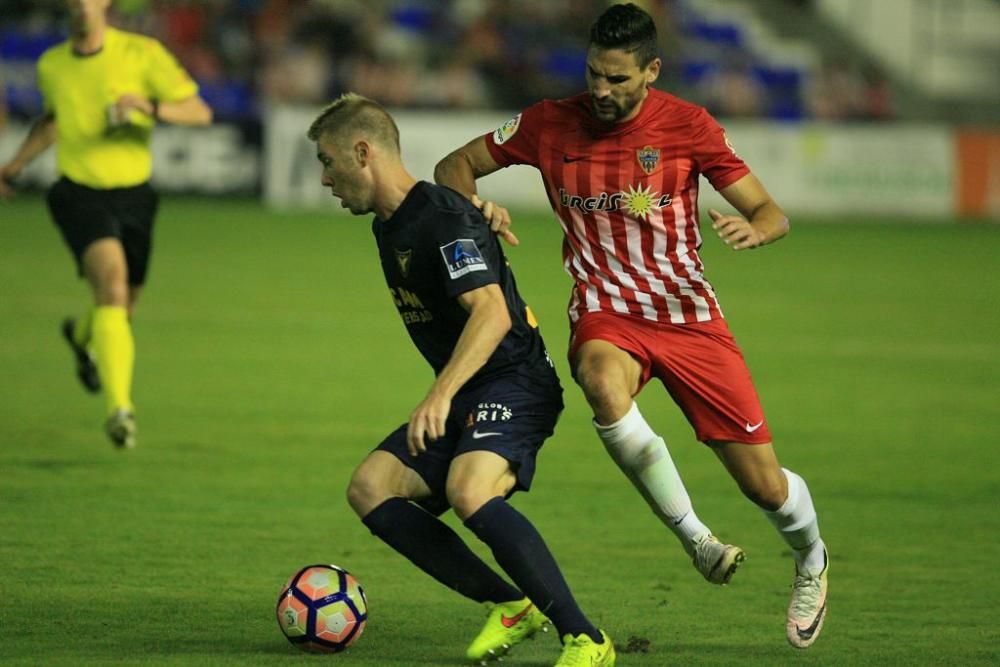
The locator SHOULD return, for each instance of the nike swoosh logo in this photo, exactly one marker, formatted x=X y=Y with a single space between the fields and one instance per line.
x=811 y=630
x=567 y=159
x=476 y=435
x=751 y=429
x=511 y=621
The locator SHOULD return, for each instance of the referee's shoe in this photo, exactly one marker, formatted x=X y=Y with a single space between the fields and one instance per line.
x=120 y=427
x=86 y=369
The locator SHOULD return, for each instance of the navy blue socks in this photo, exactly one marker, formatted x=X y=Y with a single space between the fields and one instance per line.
x=522 y=554
x=437 y=550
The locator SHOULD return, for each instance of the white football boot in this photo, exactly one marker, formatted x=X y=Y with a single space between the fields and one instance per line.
x=807 y=610
x=716 y=561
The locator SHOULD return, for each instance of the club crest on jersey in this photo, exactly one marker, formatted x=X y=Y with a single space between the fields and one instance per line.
x=507 y=130
x=648 y=158
x=462 y=256
x=403 y=258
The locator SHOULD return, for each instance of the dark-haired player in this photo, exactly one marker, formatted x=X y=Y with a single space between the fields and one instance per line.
x=621 y=164
x=104 y=89
x=473 y=439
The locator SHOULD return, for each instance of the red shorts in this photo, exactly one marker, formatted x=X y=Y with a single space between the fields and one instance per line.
x=699 y=364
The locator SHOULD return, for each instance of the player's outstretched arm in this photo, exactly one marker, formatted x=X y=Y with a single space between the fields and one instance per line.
x=489 y=321
x=459 y=170
x=40 y=137
x=189 y=111
x=761 y=221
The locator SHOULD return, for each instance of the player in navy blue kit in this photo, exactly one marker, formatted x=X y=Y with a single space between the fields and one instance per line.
x=472 y=441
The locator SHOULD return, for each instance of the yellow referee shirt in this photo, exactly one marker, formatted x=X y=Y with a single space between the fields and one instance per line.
x=78 y=91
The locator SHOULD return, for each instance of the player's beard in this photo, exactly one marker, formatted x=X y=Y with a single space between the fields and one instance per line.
x=607 y=110
x=611 y=110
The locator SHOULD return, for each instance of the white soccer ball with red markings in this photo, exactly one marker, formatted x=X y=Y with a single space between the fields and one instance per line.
x=322 y=609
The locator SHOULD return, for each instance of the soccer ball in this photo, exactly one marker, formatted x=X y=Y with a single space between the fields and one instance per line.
x=322 y=609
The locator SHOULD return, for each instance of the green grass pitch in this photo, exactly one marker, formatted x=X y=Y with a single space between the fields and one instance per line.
x=270 y=360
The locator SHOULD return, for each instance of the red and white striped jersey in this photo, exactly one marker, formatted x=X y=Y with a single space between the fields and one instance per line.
x=626 y=195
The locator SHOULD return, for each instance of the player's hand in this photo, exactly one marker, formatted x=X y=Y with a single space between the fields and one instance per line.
x=736 y=231
x=8 y=173
x=129 y=101
x=427 y=422
x=498 y=217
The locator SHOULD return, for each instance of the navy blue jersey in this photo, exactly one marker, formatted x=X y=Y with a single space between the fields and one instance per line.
x=436 y=246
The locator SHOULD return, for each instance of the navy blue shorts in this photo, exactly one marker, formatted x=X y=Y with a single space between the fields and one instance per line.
x=85 y=215
x=510 y=416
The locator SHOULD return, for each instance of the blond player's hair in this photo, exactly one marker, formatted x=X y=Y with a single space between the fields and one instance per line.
x=351 y=116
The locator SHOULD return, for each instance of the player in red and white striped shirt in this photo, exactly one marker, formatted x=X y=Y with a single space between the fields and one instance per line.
x=620 y=165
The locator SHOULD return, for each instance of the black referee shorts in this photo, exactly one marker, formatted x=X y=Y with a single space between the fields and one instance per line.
x=85 y=215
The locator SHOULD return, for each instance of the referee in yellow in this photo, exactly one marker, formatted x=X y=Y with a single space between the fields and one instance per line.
x=104 y=90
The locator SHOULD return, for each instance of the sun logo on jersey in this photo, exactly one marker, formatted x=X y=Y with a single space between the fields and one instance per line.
x=641 y=202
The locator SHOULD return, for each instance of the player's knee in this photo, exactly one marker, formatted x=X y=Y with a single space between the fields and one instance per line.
x=466 y=498
x=366 y=491
x=605 y=393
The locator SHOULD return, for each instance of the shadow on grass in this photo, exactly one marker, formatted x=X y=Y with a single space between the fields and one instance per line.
x=56 y=465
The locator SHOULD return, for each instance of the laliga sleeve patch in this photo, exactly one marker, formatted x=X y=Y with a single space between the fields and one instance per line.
x=507 y=130
x=462 y=256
